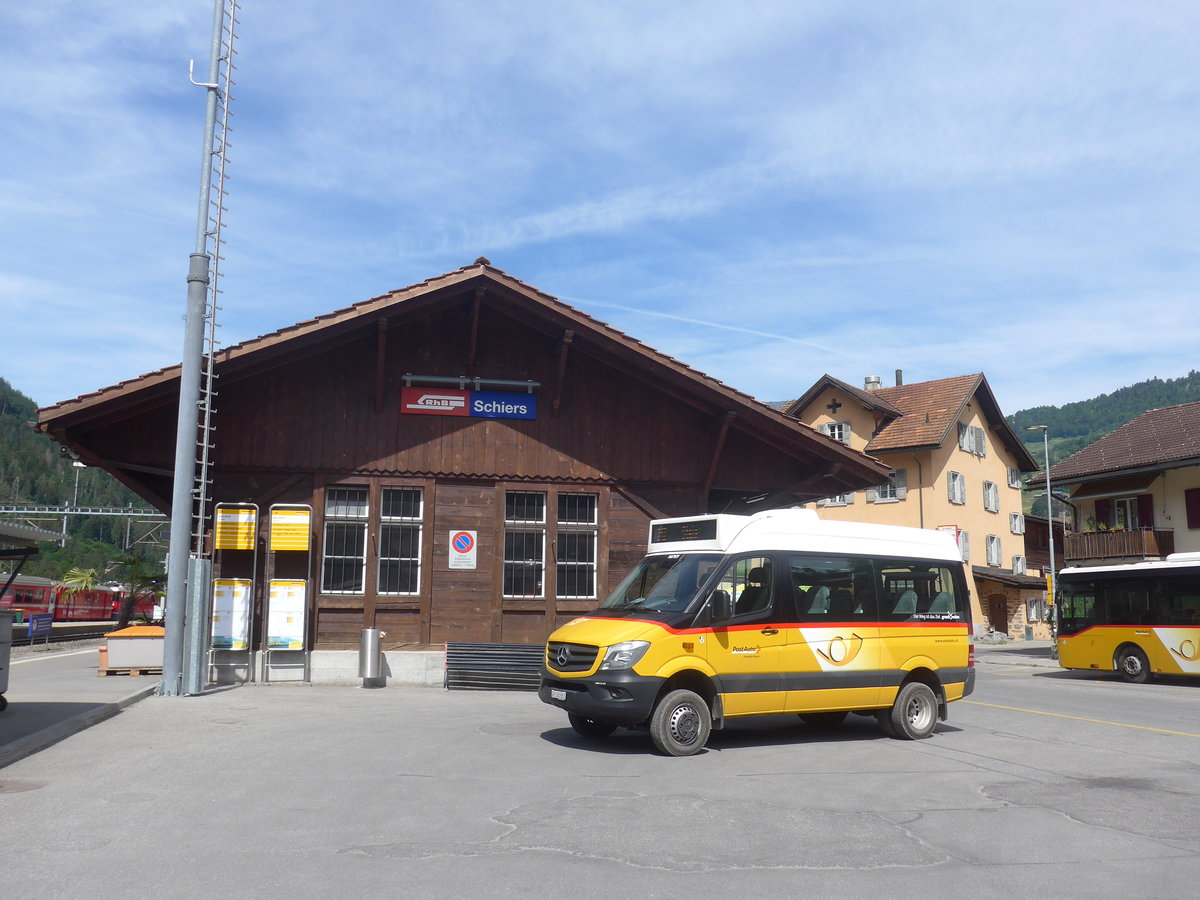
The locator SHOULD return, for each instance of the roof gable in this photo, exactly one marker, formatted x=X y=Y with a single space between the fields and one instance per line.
x=477 y=286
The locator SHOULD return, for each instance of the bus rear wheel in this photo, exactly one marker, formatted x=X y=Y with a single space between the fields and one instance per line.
x=1133 y=665
x=914 y=714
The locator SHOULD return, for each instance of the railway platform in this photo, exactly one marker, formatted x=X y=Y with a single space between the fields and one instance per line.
x=55 y=692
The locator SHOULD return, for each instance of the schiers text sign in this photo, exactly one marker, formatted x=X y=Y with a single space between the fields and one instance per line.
x=435 y=401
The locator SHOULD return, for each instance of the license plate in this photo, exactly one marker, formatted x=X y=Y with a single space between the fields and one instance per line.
x=556 y=694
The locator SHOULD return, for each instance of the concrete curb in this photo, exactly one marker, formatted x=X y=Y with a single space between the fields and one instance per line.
x=47 y=737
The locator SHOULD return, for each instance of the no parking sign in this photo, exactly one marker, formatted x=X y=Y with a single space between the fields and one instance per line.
x=463 y=547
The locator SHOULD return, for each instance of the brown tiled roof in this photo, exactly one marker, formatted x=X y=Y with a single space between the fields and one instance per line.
x=924 y=414
x=929 y=412
x=1165 y=438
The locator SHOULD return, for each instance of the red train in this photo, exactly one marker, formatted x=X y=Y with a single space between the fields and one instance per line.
x=40 y=595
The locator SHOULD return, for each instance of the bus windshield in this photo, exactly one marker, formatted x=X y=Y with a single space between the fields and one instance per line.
x=666 y=583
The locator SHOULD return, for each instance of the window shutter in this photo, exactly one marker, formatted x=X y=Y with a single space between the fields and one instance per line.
x=964 y=439
x=1145 y=507
x=900 y=479
x=872 y=494
x=1103 y=512
x=964 y=544
x=1191 y=502
x=823 y=428
x=980 y=441
x=849 y=498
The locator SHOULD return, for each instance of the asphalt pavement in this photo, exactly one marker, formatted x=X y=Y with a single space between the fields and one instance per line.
x=1043 y=783
x=55 y=693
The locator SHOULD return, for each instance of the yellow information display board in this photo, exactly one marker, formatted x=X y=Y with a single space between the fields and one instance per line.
x=235 y=527
x=291 y=528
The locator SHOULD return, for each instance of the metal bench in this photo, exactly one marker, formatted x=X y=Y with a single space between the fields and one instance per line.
x=493 y=667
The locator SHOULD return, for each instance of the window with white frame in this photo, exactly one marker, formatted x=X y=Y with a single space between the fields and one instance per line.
x=839 y=431
x=1016 y=523
x=345 y=549
x=957 y=484
x=1018 y=565
x=964 y=545
x=895 y=489
x=991 y=496
x=575 y=547
x=1014 y=477
x=400 y=516
x=524 y=543
x=972 y=439
x=994 y=554
x=394 y=529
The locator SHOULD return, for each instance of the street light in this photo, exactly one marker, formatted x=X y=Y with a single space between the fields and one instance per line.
x=1045 y=430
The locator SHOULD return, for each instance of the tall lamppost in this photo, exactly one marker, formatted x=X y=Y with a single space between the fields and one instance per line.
x=1045 y=430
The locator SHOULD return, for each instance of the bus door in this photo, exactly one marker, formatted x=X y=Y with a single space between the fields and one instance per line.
x=746 y=650
x=832 y=659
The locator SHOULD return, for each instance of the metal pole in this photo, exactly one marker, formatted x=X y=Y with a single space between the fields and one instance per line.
x=189 y=393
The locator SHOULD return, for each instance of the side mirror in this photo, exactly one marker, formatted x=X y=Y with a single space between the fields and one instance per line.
x=721 y=606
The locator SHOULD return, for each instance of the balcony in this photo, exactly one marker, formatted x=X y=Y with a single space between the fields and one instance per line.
x=1133 y=545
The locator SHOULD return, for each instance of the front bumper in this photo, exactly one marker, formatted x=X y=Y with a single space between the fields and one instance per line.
x=622 y=698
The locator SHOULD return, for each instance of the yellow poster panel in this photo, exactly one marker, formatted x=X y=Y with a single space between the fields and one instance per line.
x=290 y=528
x=285 y=619
x=234 y=527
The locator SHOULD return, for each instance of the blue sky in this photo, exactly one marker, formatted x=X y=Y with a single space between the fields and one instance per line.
x=765 y=191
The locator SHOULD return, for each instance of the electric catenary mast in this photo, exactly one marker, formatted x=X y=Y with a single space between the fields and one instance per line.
x=189 y=572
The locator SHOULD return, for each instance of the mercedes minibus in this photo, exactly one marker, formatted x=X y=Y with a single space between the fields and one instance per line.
x=779 y=612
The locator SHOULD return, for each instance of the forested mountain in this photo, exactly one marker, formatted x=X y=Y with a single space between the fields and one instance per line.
x=33 y=472
x=1075 y=425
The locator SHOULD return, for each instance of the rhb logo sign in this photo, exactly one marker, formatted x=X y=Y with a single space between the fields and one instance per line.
x=476 y=404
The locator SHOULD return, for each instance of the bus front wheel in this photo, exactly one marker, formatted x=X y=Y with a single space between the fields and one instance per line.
x=1133 y=665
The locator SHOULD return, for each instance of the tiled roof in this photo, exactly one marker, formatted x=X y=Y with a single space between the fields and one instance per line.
x=929 y=411
x=1160 y=437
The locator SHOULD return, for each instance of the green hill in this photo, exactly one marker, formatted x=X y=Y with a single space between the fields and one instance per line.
x=1075 y=425
x=33 y=472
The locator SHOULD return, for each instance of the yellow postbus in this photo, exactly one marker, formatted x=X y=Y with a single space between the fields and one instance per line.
x=1139 y=620
x=778 y=612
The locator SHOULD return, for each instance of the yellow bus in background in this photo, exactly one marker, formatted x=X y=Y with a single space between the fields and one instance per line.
x=778 y=612
x=1139 y=620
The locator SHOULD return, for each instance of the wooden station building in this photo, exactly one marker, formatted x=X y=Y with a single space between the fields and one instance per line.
x=469 y=403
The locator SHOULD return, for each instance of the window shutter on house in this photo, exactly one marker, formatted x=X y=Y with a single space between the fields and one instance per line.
x=872 y=495
x=980 y=441
x=1145 y=507
x=1104 y=512
x=900 y=479
x=1191 y=502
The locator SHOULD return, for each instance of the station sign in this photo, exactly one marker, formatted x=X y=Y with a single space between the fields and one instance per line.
x=435 y=401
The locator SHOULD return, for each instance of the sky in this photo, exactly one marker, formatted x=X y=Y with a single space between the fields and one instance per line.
x=765 y=191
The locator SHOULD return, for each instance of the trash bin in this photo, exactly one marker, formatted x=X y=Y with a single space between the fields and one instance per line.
x=370 y=655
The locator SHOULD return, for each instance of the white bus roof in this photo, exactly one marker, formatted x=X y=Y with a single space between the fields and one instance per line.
x=1173 y=561
x=800 y=530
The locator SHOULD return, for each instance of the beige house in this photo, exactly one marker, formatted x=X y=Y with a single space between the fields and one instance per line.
x=1136 y=491
x=956 y=466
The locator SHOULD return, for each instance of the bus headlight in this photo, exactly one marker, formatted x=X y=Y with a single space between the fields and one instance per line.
x=624 y=655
